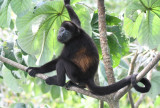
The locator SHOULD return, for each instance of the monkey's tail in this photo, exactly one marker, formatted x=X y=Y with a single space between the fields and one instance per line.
x=145 y=81
x=118 y=85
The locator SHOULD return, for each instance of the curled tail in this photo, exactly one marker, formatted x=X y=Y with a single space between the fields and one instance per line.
x=118 y=85
x=145 y=81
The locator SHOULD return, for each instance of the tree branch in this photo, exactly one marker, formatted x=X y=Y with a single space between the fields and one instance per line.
x=106 y=98
x=131 y=67
x=140 y=100
x=42 y=76
x=130 y=98
x=123 y=91
x=130 y=71
x=142 y=96
x=104 y=43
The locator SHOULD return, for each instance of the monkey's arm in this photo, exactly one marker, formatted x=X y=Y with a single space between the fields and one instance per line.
x=73 y=16
x=48 y=67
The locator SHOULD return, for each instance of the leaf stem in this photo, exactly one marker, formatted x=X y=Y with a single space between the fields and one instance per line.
x=144 y=5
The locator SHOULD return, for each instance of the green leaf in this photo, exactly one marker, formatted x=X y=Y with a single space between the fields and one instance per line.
x=12 y=25
x=123 y=64
x=84 y=17
x=5 y=14
x=45 y=88
x=97 y=42
x=55 y=92
x=31 y=61
x=103 y=72
x=74 y=1
x=9 y=53
x=21 y=6
x=118 y=44
x=10 y=81
x=1 y=2
x=111 y=20
x=117 y=41
x=132 y=10
x=145 y=26
x=154 y=91
x=65 y=93
x=20 y=105
x=38 y=36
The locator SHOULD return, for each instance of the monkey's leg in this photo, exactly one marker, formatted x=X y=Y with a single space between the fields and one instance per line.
x=60 y=78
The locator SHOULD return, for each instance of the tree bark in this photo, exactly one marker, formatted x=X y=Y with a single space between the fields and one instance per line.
x=104 y=43
x=105 y=51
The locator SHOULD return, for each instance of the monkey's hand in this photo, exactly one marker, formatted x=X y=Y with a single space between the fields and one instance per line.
x=67 y=2
x=71 y=84
x=32 y=71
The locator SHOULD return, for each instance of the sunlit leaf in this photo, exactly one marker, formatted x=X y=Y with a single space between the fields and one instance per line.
x=10 y=81
x=55 y=92
x=145 y=26
x=5 y=14
x=117 y=41
x=9 y=53
x=154 y=91
x=20 y=105
x=21 y=6
x=45 y=88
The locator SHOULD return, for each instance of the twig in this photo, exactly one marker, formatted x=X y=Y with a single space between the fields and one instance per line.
x=131 y=70
x=131 y=67
x=140 y=100
x=123 y=91
x=86 y=6
x=130 y=98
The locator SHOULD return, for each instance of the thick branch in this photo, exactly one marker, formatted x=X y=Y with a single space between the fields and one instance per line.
x=42 y=76
x=123 y=91
x=104 y=43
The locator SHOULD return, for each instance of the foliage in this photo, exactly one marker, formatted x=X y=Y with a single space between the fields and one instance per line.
x=142 y=21
x=117 y=41
x=32 y=27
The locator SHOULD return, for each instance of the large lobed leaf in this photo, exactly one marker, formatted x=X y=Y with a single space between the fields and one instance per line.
x=5 y=14
x=10 y=81
x=21 y=6
x=38 y=29
x=155 y=85
x=142 y=21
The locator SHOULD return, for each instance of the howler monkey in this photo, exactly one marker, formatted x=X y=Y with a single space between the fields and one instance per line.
x=79 y=60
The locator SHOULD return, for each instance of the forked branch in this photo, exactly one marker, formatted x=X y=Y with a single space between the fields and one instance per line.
x=118 y=95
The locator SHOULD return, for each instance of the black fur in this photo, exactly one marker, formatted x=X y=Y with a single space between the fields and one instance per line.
x=79 y=61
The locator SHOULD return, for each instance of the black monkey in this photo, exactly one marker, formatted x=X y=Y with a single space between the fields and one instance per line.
x=79 y=60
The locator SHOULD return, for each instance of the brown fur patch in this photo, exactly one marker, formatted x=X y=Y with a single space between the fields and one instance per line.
x=82 y=60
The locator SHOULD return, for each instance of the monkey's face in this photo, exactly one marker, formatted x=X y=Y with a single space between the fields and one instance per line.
x=66 y=32
x=64 y=35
